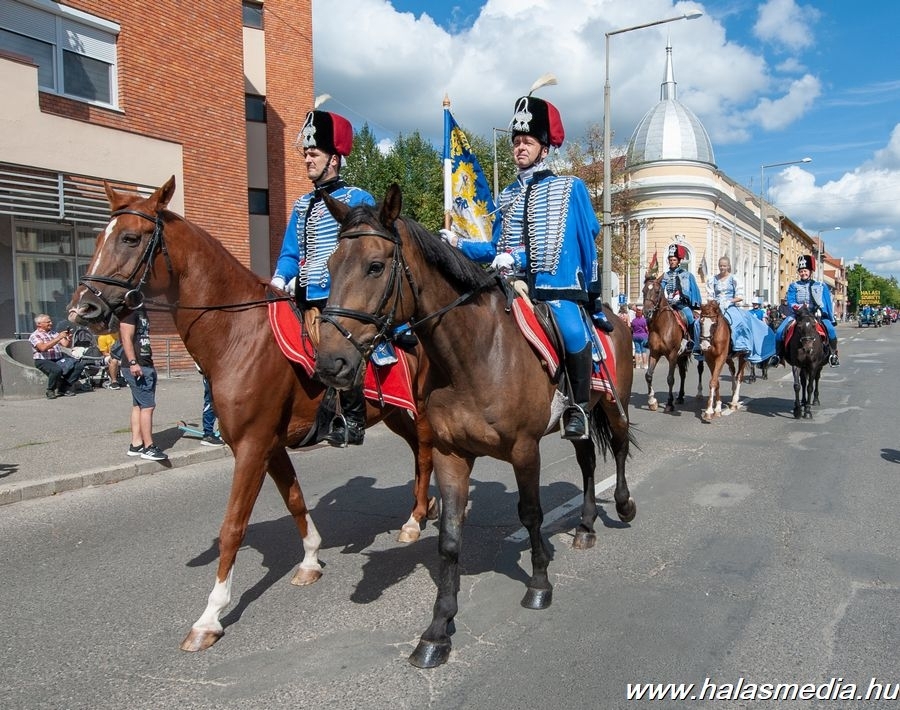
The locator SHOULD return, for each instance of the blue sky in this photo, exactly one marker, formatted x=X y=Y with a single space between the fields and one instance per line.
x=771 y=81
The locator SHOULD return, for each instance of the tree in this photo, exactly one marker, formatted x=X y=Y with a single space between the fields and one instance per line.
x=365 y=162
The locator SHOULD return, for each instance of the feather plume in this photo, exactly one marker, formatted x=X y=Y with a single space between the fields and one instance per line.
x=321 y=99
x=543 y=80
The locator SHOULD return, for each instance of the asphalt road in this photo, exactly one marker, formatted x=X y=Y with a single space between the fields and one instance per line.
x=764 y=551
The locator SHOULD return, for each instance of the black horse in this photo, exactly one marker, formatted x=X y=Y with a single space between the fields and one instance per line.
x=805 y=351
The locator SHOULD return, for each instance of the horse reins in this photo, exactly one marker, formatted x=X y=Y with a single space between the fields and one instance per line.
x=134 y=296
x=385 y=322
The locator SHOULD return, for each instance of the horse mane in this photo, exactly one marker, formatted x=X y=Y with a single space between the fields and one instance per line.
x=463 y=273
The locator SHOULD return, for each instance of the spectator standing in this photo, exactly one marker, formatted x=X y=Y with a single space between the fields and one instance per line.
x=140 y=374
x=62 y=370
x=640 y=334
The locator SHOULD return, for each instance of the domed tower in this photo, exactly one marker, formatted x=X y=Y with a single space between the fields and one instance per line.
x=672 y=191
x=669 y=130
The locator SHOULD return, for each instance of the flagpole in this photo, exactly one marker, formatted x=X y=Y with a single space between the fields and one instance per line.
x=448 y=165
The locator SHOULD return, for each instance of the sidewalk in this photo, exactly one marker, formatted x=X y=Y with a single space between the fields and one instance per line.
x=51 y=446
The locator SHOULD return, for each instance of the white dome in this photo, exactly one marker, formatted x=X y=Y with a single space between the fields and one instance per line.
x=669 y=131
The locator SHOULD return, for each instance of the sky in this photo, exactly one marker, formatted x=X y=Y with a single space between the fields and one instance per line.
x=772 y=82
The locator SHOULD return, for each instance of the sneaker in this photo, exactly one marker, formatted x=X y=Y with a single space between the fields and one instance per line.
x=211 y=440
x=51 y=394
x=67 y=393
x=113 y=386
x=153 y=453
x=135 y=450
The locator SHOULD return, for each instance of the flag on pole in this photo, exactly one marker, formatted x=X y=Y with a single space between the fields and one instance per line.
x=703 y=270
x=654 y=264
x=467 y=195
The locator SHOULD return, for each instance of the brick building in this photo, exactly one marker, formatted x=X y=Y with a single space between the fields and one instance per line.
x=120 y=91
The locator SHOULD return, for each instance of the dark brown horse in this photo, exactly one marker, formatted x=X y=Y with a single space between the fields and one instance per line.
x=806 y=353
x=487 y=392
x=715 y=344
x=665 y=339
x=264 y=402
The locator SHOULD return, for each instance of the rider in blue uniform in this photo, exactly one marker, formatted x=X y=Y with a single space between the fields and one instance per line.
x=311 y=237
x=681 y=291
x=817 y=297
x=545 y=234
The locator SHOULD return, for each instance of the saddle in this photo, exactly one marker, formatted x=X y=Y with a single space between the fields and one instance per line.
x=536 y=322
x=383 y=384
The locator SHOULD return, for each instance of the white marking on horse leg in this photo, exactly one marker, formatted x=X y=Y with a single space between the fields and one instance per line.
x=219 y=598
x=311 y=544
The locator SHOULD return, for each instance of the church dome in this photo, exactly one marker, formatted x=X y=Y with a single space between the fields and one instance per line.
x=670 y=130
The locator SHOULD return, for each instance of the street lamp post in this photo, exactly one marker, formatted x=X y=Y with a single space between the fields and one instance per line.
x=820 y=245
x=606 y=276
x=762 y=218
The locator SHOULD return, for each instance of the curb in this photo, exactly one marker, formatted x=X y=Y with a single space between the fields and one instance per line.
x=30 y=490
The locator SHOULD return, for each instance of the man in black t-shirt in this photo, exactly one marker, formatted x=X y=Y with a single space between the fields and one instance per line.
x=139 y=373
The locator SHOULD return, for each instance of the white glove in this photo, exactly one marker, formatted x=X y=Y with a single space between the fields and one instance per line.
x=449 y=237
x=291 y=286
x=503 y=262
x=277 y=282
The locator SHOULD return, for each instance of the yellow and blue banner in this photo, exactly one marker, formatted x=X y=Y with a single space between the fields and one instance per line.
x=467 y=195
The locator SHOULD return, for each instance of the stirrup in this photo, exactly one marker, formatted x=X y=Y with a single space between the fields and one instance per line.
x=575 y=423
x=345 y=432
x=833 y=360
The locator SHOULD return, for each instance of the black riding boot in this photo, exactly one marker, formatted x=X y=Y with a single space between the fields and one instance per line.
x=575 y=416
x=349 y=427
x=832 y=345
x=778 y=357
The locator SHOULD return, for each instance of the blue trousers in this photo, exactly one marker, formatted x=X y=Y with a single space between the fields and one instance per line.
x=209 y=414
x=829 y=328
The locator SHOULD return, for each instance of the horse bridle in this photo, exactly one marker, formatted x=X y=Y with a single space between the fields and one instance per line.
x=385 y=322
x=654 y=307
x=134 y=296
x=393 y=290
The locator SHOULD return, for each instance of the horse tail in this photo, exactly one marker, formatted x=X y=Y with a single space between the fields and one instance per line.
x=601 y=431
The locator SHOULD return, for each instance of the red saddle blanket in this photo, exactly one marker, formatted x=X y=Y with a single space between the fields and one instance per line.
x=789 y=332
x=390 y=383
x=537 y=338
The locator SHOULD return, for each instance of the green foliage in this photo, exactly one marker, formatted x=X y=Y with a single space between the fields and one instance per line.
x=860 y=278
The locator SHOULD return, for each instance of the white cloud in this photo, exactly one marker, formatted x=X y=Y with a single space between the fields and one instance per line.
x=785 y=23
x=391 y=70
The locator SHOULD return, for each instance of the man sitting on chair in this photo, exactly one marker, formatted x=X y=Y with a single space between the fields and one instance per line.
x=62 y=370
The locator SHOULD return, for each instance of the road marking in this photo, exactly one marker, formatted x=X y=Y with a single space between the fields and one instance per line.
x=563 y=510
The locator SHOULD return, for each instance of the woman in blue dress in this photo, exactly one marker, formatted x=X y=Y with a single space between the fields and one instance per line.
x=747 y=333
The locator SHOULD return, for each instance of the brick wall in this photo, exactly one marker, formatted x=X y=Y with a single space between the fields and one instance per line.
x=181 y=79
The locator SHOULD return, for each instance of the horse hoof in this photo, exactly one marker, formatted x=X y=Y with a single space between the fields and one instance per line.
x=429 y=654
x=653 y=407
x=679 y=400
x=304 y=577
x=706 y=417
x=584 y=540
x=537 y=598
x=200 y=640
x=627 y=511
x=408 y=533
x=796 y=414
x=669 y=408
x=434 y=510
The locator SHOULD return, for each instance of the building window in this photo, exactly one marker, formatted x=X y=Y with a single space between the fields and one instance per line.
x=258 y=201
x=255 y=108
x=75 y=52
x=253 y=14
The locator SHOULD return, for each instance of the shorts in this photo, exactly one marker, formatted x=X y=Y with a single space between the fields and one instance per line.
x=143 y=389
x=640 y=346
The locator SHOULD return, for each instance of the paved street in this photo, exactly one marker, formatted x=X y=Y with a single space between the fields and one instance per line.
x=764 y=548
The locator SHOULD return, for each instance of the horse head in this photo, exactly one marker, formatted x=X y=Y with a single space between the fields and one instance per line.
x=710 y=317
x=652 y=295
x=124 y=261
x=370 y=281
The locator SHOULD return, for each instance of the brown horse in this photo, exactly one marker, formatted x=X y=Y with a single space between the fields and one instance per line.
x=264 y=402
x=715 y=344
x=487 y=392
x=665 y=339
